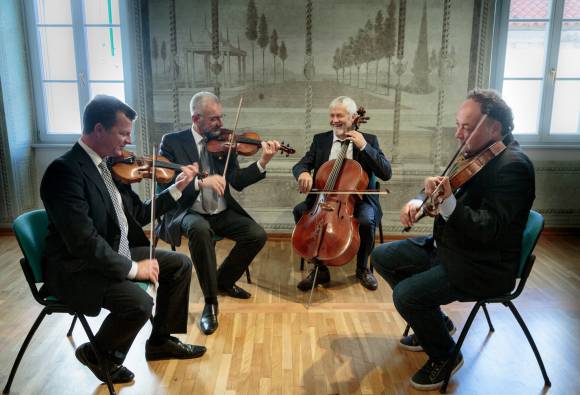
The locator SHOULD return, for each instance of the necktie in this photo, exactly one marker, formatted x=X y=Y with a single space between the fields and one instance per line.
x=209 y=197
x=111 y=187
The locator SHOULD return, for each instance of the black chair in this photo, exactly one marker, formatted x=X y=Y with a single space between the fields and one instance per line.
x=532 y=232
x=377 y=185
x=30 y=230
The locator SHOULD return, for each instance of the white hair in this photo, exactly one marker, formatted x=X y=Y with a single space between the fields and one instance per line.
x=345 y=101
x=199 y=100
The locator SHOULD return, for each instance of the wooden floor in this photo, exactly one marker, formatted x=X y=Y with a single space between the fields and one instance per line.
x=346 y=343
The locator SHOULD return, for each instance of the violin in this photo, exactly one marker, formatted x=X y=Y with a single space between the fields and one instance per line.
x=129 y=168
x=328 y=233
x=461 y=169
x=245 y=144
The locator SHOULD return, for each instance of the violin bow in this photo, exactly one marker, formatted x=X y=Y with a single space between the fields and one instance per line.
x=232 y=137
x=152 y=288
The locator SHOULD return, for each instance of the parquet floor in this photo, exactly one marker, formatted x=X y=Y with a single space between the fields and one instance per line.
x=345 y=343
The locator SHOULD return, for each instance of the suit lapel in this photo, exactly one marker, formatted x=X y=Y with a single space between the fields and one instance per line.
x=92 y=173
x=189 y=146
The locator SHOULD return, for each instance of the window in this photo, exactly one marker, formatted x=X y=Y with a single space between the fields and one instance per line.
x=77 y=53
x=536 y=66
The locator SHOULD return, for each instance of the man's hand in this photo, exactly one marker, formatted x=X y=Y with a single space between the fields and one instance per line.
x=357 y=138
x=409 y=212
x=148 y=270
x=304 y=182
x=440 y=186
x=187 y=174
x=215 y=182
x=269 y=148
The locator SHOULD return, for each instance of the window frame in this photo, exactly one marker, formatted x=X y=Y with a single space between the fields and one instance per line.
x=555 y=22
x=82 y=65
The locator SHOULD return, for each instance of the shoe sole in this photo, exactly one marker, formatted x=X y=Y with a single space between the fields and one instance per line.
x=434 y=386
x=418 y=347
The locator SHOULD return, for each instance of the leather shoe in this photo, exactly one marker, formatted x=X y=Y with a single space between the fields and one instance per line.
x=172 y=348
x=118 y=373
x=323 y=277
x=209 y=319
x=236 y=292
x=367 y=279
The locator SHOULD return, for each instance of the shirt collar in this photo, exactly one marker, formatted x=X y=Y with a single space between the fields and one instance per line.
x=196 y=136
x=335 y=138
x=92 y=154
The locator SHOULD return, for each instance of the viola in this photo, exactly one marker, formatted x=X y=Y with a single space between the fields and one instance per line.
x=245 y=144
x=328 y=233
x=130 y=168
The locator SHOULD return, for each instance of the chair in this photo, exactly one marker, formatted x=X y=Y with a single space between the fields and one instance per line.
x=30 y=230
x=532 y=232
x=374 y=181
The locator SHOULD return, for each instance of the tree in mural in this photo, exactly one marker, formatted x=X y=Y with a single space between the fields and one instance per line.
x=336 y=62
x=433 y=61
x=420 y=81
x=155 y=54
x=274 y=48
x=343 y=60
x=358 y=54
x=163 y=54
x=252 y=28
x=379 y=45
x=451 y=60
x=283 y=54
x=368 y=48
x=388 y=39
x=263 y=41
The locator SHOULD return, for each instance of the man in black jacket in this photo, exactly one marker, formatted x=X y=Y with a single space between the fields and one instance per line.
x=96 y=246
x=365 y=150
x=475 y=247
x=208 y=208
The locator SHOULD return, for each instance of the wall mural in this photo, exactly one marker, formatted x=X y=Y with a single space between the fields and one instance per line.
x=406 y=61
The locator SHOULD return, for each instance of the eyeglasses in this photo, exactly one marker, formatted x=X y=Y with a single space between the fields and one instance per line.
x=214 y=118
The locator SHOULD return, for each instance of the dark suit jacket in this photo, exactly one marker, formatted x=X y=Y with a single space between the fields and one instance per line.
x=83 y=232
x=180 y=147
x=480 y=243
x=372 y=160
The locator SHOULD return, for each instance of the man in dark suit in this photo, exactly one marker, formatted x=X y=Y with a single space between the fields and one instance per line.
x=365 y=150
x=96 y=246
x=475 y=248
x=208 y=208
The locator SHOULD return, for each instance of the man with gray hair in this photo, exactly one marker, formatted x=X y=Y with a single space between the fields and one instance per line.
x=207 y=207
x=365 y=150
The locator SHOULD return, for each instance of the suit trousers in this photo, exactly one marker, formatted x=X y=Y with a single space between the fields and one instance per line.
x=249 y=238
x=365 y=215
x=130 y=307
x=420 y=286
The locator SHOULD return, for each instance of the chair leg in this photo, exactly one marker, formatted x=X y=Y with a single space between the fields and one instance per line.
x=248 y=276
x=301 y=264
x=72 y=326
x=23 y=349
x=100 y=357
x=407 y=328
x=520 y=320
x=457 y=347
x=491 y=328
x=172 y=247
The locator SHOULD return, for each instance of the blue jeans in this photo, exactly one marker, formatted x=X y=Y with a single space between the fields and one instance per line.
x=420 y=286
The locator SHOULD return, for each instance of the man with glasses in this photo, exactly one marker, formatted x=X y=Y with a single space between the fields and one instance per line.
x=207 y=207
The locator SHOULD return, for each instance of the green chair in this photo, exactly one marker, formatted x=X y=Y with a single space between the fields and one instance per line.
x=532 y=232
x=30 y=230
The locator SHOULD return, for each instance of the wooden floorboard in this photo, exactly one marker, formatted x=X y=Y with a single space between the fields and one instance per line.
x=345 y=343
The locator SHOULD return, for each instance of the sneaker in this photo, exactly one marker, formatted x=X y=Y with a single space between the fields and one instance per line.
x=432 y=374
x=411 y=342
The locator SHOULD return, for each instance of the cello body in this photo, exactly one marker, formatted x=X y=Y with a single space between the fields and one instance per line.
x=328 y=232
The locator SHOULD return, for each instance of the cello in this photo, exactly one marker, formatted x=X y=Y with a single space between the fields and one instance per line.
x=328 y=232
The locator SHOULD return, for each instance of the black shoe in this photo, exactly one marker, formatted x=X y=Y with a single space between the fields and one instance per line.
x=411 y=342
x=118 y=373
x=432 y=374
x=323 y=277
x=172 y=348
x=367 y=279
x=209 y=319
x=236 y=292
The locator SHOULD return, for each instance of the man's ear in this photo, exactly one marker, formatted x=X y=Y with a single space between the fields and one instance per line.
x=99 y=128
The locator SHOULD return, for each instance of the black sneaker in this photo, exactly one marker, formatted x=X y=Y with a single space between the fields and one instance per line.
x=432 y=374
x=411 y=342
